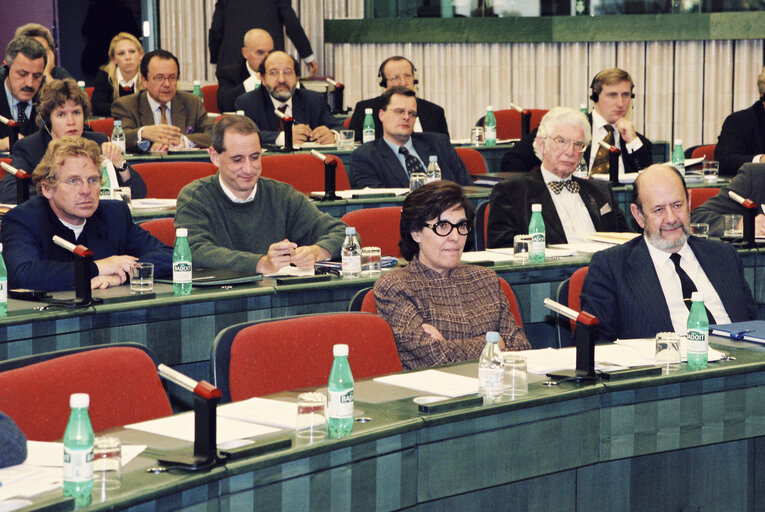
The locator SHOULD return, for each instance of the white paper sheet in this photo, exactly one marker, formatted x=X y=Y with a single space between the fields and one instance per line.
x=473 y=256
x=41 y=453
x=349 y=194
x=181 y=426
x=434 y=382
x=584 y=247
x=292 y=271
x=152 y=204
x=550 y=252
x=275 y=413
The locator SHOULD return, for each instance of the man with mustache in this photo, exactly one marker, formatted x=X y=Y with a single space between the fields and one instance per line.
x=25 y=61
x=279 y=75
x=643 y=287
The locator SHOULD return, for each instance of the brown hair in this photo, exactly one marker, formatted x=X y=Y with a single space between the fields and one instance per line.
x=57 y=92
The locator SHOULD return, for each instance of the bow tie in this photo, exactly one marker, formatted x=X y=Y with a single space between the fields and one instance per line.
x=557 y=186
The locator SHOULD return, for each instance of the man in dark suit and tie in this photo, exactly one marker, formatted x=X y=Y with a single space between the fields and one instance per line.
x=237 y=79
x=279 y=74
x=389 y=161
x=643 y=287
x=22 y=77
x=572 y=208
x=399 y=71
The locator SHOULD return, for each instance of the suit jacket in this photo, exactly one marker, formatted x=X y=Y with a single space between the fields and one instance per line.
x=187 y=111
x=741 y=138
x=233 y=18
x=375 y=165
x=431 y=117
x=28 y=152
x=307 y=108
x=748 y=183
x=34 y=261
x=622 y=288
x=231 y=84
x=27 y=128
x=103 y=94
x=521 y=156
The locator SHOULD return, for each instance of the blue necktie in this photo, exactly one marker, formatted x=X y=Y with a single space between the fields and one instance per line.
x=411 y=161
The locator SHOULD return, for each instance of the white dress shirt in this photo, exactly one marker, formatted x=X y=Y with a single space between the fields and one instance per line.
x=230 y=194
x=576 y=220
x=599 y=133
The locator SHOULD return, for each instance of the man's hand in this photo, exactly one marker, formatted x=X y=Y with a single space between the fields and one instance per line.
x=5 y=143
x=164 y=133
x=313 y=67
x=113 y=153
x=158 y=146
x=322 y=135
x=103 y=282
x=117 y=266
x=279 y=255
x=434 y=333
x=300 y=133
x=306 y=255
x=626 y=129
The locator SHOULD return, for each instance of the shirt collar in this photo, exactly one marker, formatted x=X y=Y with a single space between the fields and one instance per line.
x=230 y=194
x=547 y=176
x=154 y=105
x=394 y=147
x=597 y=121
x=125 y=83
x=660 y=257
x=279 y=103
x=12 y=100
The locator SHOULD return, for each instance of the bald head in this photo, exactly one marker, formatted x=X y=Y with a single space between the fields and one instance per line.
x=257 y=44
x=660 y=207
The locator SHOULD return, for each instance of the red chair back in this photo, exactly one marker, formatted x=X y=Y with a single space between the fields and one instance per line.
x=575 y=291
x=2 y=171
x=700 y=195
x=303 y=171
x=89 y=92
x=105 y=125
x=166 y=179
x=708 y=152
x=509 y=122
x=346 y=122
x=210 y=98
x=162 y=229
x=377 y=227
x=473 y=160
x=368 y=304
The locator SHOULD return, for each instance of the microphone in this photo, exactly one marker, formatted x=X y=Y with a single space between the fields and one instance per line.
x=13 y=137
x=333 y=83
x=20 y=174
x=518 y=109
x=83 y=295
x=525 y=119
x=581 y=317
x=79 y=250
x=8 y=122
x=609 y=147
x=281 y=115
x=201 y=387
x=746 y=203
x=749 y=237
x=287 y=120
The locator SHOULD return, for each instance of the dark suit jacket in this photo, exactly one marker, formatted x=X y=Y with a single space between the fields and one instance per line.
x=34 y=261
x=622 y=288
x=103 y=94
x=510 y=209
x=187 y=111
x=28 y=152
x=307 y=108
x=431 y=117
x=742 y=136
x=521 y=156
x=231 y=84
x=27 y=128
x=233 y=18
x=375 y=165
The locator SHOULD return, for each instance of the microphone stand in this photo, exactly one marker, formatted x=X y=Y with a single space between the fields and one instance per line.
x=84 y=257
x=330 y=166
x=584 y=338
x=22 y=182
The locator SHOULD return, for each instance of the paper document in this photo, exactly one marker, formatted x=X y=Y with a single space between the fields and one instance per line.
x=152 y=204
x=550 y=252
x=41 y=453
x=612 y=237
x=473 y=256
x=181 y=426
x=584 y=247
x=360 y=192
x=646 y=348
x=434 y=382
x=275 y=413
x=289 y=270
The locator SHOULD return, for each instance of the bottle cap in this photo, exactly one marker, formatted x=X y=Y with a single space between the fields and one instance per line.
x=536 y=207
x=433 y=158
x=1 y=247
x=117 y=122
x=489 y=107
x=678 y=142
x=350 y=230
x=582 y=106
x=196 y=82
x=367 y=111
x=80 y=83
x=182 y=232
x=492 y=337
x=697 y=297
x=79 y=400
x=339 y=350
x=240 y=112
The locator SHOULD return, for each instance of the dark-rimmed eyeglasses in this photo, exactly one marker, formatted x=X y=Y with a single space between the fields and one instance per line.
x=444 y=227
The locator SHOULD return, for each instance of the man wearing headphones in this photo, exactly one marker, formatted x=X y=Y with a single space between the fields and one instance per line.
x=22 y=75
x=399 y=71
x=611 y=95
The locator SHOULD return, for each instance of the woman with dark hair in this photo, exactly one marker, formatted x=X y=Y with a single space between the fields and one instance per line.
x=438 y=309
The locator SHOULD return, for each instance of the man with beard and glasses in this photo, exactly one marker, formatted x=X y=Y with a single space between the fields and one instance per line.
x=278 y=73
x=643 y=287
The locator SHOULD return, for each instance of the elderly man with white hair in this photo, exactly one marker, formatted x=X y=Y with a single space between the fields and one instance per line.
x=572 y=208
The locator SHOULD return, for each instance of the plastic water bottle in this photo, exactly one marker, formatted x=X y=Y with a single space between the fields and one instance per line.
x=118 y=135
x=491 y=368
x=106 y=182
x=81 y=85
x=433 y=173
x=490 y=127
x=78 y=448
x=698 y=333
x=580 y=8
x=581 y=169
x=197 y=91
x=678 y=157
x=340 y=413
x=181 y=263
x=583 y=108
x=537 y=232
x=3 y=286
x=368 y=129
x=351 y=254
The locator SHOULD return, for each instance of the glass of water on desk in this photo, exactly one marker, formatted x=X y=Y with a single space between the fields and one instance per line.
x=667 y=351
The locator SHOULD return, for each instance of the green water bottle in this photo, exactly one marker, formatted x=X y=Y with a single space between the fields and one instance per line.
x=678 y=156
x=368 y=129
x=197 y=91
x=181 y=263
x=698 y=333
x=490 y=127
x=78 y=448
x=537 y=232
x=340 y=408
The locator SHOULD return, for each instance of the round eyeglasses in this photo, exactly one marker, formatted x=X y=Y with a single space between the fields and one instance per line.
x=444 y=227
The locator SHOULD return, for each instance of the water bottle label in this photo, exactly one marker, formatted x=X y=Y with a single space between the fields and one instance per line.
x=3 y=290
x=368 y=135
x=341 y=403
x=351 y=263
x=491 y=378
x=182 y=272
x=78 y=465
x=491 y=132
x=697 y=341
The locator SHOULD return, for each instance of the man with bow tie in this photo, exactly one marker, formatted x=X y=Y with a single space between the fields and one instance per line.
x=572 y=208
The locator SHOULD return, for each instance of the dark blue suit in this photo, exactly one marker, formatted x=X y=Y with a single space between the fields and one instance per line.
x=375 y=165
x=34 y=261
x=622 y=288
x=307 y=108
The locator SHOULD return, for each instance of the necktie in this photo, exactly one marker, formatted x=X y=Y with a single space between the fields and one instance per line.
x=411 y=161
x=125 y=90
x=686 y=283
x=163 y=114
x=558 y=186
x=602 y=158
x=22 y=116
x=282 y=109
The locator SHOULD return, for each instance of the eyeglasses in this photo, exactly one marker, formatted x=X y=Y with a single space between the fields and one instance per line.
x=444 y=227
x=406 y=77
x=160 y=79
x=401 y=111
x=274 y=73
x=76 y=182
x=564 y=144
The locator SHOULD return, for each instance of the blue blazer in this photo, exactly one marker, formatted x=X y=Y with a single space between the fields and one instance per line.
x=34 y=261
x=375 y=165
x=622 y=288
x=308 y=107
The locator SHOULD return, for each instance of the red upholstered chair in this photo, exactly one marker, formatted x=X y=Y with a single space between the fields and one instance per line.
x=2 y=171
x=347 y=122
x=377 y=227
x=89 y=92
x=122 y=382
x=509 y=122
x=303 y=171
x=268 y=356
x=166 y=179
x=210 y=98
x=700 y=195
x=707 y=151
x=105 y=125
x=163 y=229
x=473 y=160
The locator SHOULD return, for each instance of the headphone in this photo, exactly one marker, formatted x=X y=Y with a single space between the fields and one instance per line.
x=596 y=95
x=381 y=76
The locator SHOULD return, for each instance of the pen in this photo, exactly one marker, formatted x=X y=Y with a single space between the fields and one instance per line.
x=740 y=334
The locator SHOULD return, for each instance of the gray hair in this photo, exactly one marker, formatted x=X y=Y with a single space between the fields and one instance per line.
x=556 y=117
x=28 y=47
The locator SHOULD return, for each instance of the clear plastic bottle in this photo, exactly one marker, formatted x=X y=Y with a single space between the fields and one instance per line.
x=490 y=127
x=351 y=254
x=678 y=157
x=3 y=286
x=118 y=135
x=106 y=182
x=340 y=409
x=78 y=448
x=537 y=232
x=698 y=333
x=368 y=129
x=491 y=368
x=181 y=263
x=197 y=91
x=433 y=173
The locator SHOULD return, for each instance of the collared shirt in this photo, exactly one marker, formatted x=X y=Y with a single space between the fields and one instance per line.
x=126 y=83
x=401 y=158
x=252 y=81
x=156 y=113
x=599 y=133
x=230 y=194
x=12 y=102
x=278 y=103
x=576 y=220
x=673 y=292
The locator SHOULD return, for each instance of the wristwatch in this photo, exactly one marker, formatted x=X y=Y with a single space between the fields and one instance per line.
x=122 y=168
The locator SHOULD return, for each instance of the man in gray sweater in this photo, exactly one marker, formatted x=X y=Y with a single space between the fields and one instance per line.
x=238 y=220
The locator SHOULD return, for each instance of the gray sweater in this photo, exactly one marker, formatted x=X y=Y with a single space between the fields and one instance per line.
x=224 y=234
x=13 y=444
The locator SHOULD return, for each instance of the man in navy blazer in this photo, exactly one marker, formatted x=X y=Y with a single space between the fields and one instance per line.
x=21 y=79
x=68 y=180
x=635 y=289
x=380 y=163
x=279 y=74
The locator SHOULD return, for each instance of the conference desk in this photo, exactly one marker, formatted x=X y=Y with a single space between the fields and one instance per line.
x=679 y=441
